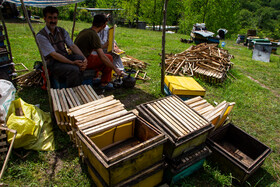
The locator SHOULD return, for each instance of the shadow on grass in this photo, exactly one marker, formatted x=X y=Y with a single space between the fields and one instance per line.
x=34 y=95
x=130 y=97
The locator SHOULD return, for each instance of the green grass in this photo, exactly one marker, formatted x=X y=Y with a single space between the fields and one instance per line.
x=257 y=109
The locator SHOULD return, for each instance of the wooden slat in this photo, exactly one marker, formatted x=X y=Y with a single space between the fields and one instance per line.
x=183 y=118
x=70 y=94
x=74 y=95
x=166 y=121
x=190 y=113
x=97 y=102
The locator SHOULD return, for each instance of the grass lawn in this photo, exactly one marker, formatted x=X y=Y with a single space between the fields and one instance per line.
x=255 y=91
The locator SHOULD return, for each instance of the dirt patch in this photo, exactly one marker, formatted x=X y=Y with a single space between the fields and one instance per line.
x=56 y=163
x=264 y=86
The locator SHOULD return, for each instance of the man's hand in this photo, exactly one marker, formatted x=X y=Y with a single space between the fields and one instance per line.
x=81 y=64
x=105 y=45
x=118 y=72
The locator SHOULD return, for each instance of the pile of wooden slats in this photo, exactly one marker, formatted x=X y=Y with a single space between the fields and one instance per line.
x=134 y=63
x=217 y=115
x=65 y=99
x=33 y=78
x=100 y=115
x=204 y=60
x=179 y=118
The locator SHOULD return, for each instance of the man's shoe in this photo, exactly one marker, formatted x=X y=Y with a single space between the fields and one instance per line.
x=109 y=86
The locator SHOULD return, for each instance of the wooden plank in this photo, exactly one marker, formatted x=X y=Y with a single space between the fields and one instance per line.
x=87 y=93
x=90 y=93
x=188 y=112
x=68 y=99
x=197 y=103
x=175 y=114
x=173 y=117
x=205 y=109
x=93 y=92
x=108 y=126
x=53 y=100
x=75 y=97
x=70 y=94
x=105 y=99
x=80 y=95
x=183 y=118
x=98 y=114
x=84 y=95
x=98 y=110
x=102 y=119
x=93 y=107
x=115 y=122
x=192 y=100
x=165 y=121
x=200 y=107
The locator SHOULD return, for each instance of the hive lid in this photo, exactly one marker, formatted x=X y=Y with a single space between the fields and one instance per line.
x=184 y=86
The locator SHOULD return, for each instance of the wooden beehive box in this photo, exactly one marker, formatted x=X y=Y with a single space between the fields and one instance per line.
x=236 y=151
x=121 y=147
x=151 y=176
x=184 y=87
x=184 y=127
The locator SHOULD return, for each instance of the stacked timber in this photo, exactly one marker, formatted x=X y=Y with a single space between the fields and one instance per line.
x=134 y=63
x=181 y=124
x=33 y=78
x=217 y=115
x=204 y=60
x=65 y=99
x=119 y=147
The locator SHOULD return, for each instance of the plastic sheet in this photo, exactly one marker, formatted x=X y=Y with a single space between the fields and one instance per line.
x=7 y=92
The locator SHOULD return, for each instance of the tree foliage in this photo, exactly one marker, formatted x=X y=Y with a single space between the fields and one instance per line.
x=235 y=16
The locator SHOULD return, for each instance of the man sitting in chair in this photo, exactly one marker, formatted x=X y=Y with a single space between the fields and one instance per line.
x=88 y=41
x=63 y=67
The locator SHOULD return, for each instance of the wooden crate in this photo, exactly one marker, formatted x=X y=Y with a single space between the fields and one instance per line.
x=178 y=142
x=185 y=164
x=183 y=86
x=236 y=151
x=149 y=177
x=137 y=146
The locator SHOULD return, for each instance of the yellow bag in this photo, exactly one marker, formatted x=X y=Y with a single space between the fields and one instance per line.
x=34 y=129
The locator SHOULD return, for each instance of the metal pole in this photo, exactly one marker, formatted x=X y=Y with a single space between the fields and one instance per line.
x=163 y=47
x=41 y=54
x=74 y=21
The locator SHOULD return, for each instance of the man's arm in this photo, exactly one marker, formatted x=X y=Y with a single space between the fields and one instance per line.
x=107 y=61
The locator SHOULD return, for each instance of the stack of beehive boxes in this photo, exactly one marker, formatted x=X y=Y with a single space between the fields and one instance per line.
x=118 y=146
x=186 y=130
